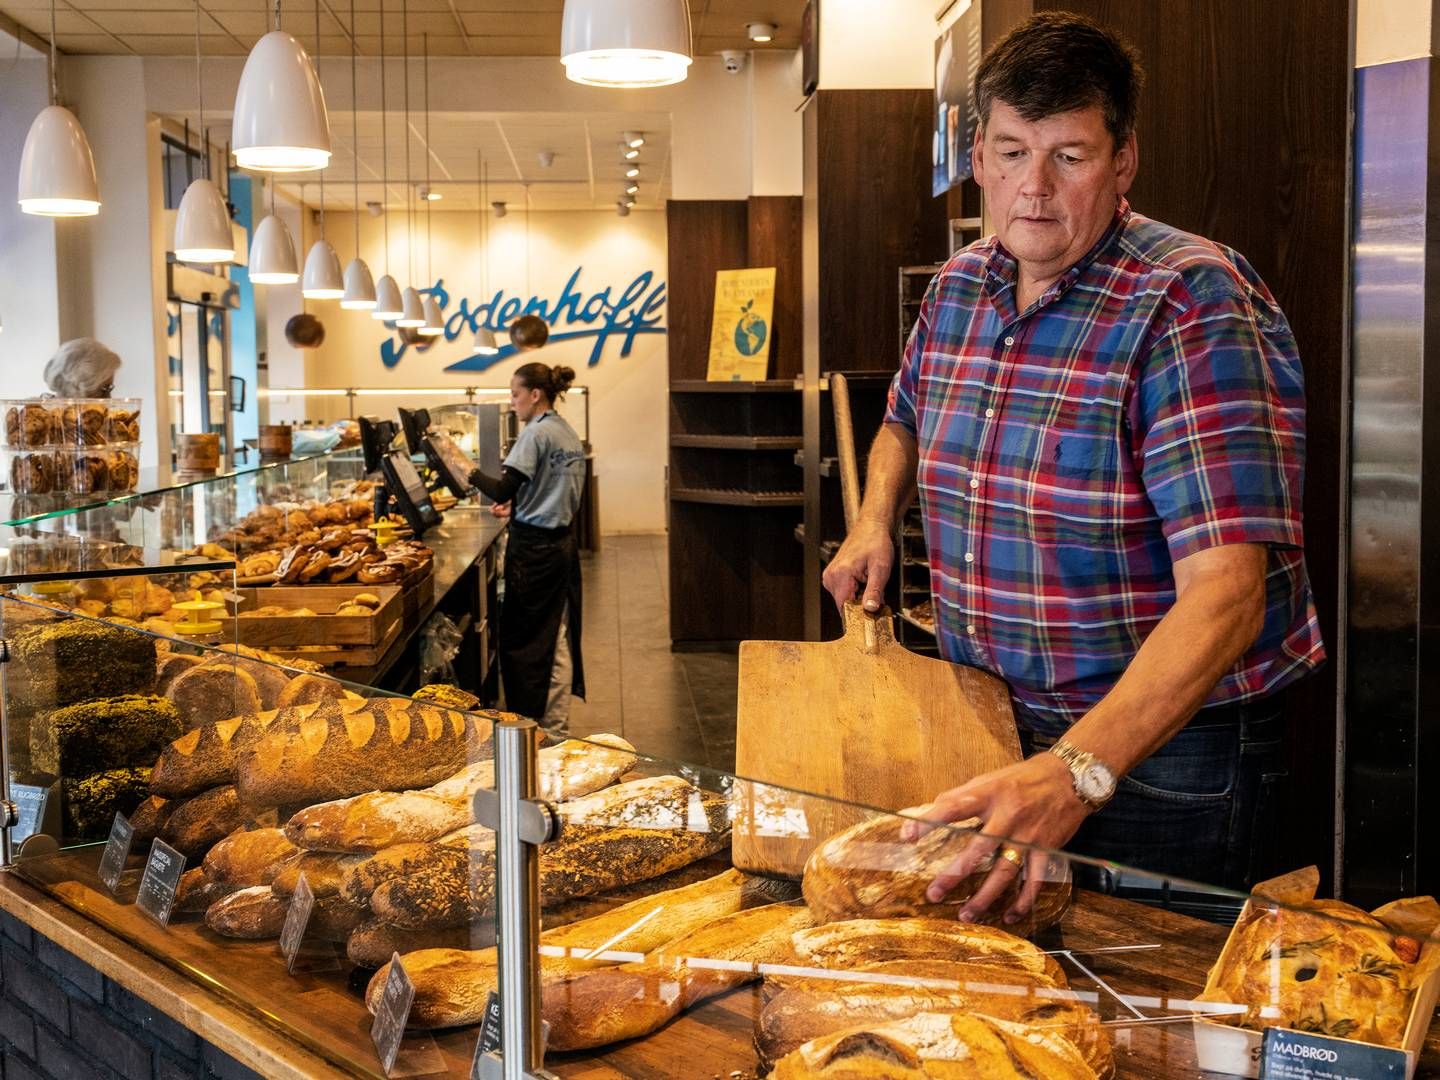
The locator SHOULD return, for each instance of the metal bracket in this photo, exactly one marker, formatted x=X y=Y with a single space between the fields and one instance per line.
x=9 y=814
x=538 y=822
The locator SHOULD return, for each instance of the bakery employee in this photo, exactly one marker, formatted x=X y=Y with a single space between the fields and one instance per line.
x=541 y=481
x=82 y=368
x=1105 y=419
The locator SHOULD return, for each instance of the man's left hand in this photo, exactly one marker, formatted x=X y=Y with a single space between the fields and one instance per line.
x=1032 y=802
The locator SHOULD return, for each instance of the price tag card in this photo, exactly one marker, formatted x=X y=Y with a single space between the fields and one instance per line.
x=297 y=918
x=387 y=1031
x=30 y=803
x=159 y=882
x=1300 y=1055
x=117 y=850
x=489 y=1040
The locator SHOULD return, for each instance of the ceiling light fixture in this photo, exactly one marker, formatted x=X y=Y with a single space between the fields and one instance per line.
x=389 y=304
x=500 y=209
x=630 y=153
x=57 y=170
x=761 y=33
x=434 y=321
x=484 y=336
x=280 y=122
x=272 y=251
x=635 y=139
x=626 y=43
x=322 y=280
x=632 y=172
x=622 y=208
x=359 y=292
x=632 y=189
x=412 y=311
x=202 y=224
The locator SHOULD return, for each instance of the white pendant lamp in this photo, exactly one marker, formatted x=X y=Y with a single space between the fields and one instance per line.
x=202 y=224
x=484 y=336
x=272 y=251
x=413 y=312
x=434 y=324
x=626 y=43
x=322 y=280
x=359 y=294
x=57 y=170
x=280 y=122
x=389 y=304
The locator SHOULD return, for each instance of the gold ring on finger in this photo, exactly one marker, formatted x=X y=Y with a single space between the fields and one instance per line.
x=1013 y=857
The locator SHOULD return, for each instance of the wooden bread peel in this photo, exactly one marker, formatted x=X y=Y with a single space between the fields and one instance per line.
x=860 y=719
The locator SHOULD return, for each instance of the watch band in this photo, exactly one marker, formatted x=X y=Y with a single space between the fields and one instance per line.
x=1093 y=781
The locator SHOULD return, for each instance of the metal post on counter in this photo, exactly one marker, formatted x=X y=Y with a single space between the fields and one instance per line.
x=521 y=823
x=9 y=817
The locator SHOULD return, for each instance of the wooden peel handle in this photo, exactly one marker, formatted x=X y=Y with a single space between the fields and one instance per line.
x=868 y=630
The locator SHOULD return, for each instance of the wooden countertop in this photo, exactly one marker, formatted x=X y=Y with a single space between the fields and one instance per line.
x=1139 y=966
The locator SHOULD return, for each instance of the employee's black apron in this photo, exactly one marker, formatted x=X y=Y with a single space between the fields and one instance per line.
x=542 y=581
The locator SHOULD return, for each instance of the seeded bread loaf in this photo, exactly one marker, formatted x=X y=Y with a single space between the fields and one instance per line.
x=200 y=823
x=386 y=745
x=451 y=985
x=205 y=757
x=250 y=858
x=867 y=871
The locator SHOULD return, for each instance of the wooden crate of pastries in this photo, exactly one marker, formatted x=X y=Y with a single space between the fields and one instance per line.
x=283 y=616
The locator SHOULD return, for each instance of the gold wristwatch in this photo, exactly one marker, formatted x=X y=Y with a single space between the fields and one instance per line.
x=1093 y=780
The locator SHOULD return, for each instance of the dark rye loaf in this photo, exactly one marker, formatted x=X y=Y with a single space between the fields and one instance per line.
x=384 y=745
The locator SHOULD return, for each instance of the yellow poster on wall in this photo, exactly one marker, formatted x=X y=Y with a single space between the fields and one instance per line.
x=740 y=328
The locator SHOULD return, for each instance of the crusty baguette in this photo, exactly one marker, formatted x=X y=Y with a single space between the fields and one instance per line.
x=867 y=871
x=387 y=745
x=653 y=802
x=250 y=858
x=205 y=757
x=377 y=820
x=855 y=943
x=197 y=825
x=606 y=1005
x=253 y=913
x=323 y=872
x=937 y=1046
x=360 y=881
x=451 y=984
x=897 y=989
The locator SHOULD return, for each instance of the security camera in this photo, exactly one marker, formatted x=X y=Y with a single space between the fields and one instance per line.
x=734 y=61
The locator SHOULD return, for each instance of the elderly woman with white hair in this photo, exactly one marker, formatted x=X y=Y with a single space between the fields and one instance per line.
x=82 y=368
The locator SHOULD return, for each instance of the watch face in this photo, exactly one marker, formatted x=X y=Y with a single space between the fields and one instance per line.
x=1095 y=783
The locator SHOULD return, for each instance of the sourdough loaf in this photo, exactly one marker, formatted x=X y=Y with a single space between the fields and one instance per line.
x=816 y=1007
x=197 y=825
x=451 y=985
x=867 y=871
x=858 y=942
x=253 y=913
x=208 y=692
x=323 y=872
x=386 y=745
x=206 y=757
x=250 y=858
x=937 y=1046
x=196 y=892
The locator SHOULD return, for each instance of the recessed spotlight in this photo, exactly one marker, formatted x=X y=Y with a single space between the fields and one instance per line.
x=632 y=172
x=631 y=153
x=429 y=194
x=635 y=139
x=761 y=33
x=628 y=200
x=632 y=189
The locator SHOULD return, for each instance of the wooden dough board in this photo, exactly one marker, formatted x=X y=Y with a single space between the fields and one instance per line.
x=861 y=719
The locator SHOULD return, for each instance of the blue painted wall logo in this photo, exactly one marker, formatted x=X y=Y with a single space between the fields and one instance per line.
x=573 y=315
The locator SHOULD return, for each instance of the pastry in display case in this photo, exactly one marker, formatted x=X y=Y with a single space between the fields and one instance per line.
x=655 y=947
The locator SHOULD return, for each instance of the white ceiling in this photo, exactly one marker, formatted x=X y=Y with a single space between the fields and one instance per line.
x=456 y=27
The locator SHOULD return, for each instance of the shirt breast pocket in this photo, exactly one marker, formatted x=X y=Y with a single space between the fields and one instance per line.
x=1077 y=492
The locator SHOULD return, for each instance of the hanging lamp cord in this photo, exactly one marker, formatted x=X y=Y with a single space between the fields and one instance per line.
x=322 y=90
x=409 y=194
x=200 y=89
x=429 y=195
x=54 y=67
x=384 y=146
x=355 y=127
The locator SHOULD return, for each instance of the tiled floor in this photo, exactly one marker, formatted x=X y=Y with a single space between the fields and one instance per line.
x=679 y=706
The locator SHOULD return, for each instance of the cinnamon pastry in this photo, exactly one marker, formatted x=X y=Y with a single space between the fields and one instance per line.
x=291 y=564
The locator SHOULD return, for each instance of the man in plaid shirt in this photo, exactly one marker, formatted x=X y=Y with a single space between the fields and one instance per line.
x=1104 y=418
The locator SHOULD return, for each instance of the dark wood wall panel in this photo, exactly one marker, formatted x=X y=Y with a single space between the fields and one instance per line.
x=775 y=232
x=703 y=236
x=875 y=215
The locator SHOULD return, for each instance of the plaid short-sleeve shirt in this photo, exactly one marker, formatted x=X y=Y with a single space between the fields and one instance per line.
x=1148 y=406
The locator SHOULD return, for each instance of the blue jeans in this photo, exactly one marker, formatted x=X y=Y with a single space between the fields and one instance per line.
x=1201 y=807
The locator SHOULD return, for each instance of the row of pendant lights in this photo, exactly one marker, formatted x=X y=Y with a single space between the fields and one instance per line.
x=281 y=126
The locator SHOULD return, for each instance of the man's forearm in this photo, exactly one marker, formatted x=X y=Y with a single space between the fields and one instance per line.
x=1213 y=622
x=889 y=476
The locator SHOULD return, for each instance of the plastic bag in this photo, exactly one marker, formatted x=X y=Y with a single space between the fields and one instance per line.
x=439 y=645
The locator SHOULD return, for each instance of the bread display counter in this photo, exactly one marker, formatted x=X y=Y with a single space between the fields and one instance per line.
x=274 y=863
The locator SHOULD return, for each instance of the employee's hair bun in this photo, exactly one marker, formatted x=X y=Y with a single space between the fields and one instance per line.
x=560 y=379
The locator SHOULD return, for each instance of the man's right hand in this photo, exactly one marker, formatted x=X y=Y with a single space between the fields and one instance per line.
x=863 y=561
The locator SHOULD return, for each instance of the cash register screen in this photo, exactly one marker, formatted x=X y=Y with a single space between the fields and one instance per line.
x=412 y=493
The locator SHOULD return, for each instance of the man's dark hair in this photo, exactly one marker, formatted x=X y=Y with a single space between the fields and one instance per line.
x=529 y=332
x=1056 y=63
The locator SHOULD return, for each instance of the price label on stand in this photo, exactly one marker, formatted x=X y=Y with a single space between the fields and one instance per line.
x=117 y=850
x=297 y=918
x=1301 y=1055
x=387 y=1031
x=160 y=881
x=30 y=803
